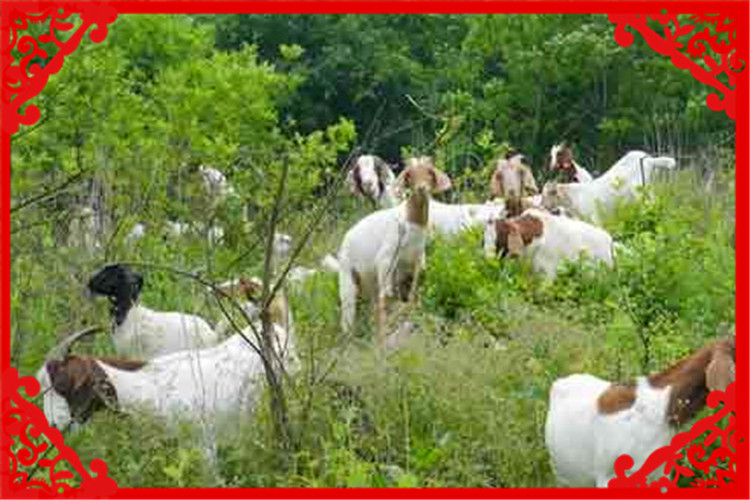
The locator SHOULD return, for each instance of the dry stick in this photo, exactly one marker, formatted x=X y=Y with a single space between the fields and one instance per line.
x=278 y=401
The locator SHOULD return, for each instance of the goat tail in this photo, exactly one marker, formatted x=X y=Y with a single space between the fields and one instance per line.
x=330 y=263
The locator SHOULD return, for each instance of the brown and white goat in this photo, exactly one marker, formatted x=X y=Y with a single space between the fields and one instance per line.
x=382 y=255
x=512 y=178
x=547 y=239
x=591 y=421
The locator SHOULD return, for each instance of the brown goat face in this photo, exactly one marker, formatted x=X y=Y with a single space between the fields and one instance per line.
x=83 y=384
x=513 y=235
x=420 y=175
x=720 y=372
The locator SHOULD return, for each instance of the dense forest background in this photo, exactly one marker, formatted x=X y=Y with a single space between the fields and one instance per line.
x=126 y=122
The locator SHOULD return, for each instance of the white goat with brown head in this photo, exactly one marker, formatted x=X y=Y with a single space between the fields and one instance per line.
x=547 y=239
x=623 y=181
x=591 y=422
x=381 y=256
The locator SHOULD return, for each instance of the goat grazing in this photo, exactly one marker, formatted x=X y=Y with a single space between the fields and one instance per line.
x=195 y=384
x=512 y=177
x=561 y=161
x=371 y=177
x=548 y=239
x=591 y=422
x=382 y=252
x=140 y=331
x=622 y=181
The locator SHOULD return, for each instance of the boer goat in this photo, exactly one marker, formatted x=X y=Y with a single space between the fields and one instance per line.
x=561 y=161
x=371 y=177
x=140 y=331
x=512 y=177
x=547 y=239
x=382 y=254
x=591 y=422
x=622 y=181
x=195 y=384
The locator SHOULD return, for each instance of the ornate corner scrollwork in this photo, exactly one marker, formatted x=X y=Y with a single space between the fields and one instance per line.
x=718 y=57
x=667 y=457
x=24 y=78
x=23 y=424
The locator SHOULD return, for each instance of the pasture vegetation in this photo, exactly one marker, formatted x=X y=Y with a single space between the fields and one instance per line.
x=462 y=403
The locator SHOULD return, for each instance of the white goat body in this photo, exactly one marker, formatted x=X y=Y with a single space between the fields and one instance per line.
x=450 y=220
x=379 y=246
x=146 y=333
x=584 y=443
x=622 y=181
x=197 y=385
x=591 y=422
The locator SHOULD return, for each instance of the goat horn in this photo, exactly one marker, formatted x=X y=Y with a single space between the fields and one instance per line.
x=63 y=348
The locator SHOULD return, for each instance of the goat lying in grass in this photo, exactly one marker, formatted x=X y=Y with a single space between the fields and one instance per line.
x=561 y=161
x=382 y=254
x=143 y=332
x=622 y=181
x=591 y=422
x=371 y=177
x=547 y=239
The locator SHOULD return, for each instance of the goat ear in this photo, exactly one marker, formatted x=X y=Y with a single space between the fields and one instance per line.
x=528 y=182
x=442 y=181
x=384 y=171
x=720 y=371
x=352 y=183
x=496 y=184
x=515 y=242
x=399 y=185
x=136 y=284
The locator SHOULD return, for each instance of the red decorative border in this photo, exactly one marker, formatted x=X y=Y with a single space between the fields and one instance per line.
x=26 y=80
x=732 y=56
x=737 y=104
x=668 y=456
x=21 y=421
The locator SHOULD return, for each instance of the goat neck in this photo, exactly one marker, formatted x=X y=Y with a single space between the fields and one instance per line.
x=688 y=380
x=418 y=207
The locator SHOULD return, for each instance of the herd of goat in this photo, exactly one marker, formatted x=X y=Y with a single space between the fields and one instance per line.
x=177 y=364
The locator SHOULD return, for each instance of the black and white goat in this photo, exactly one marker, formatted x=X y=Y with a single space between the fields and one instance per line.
x=371 y=177
x=143 y=332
